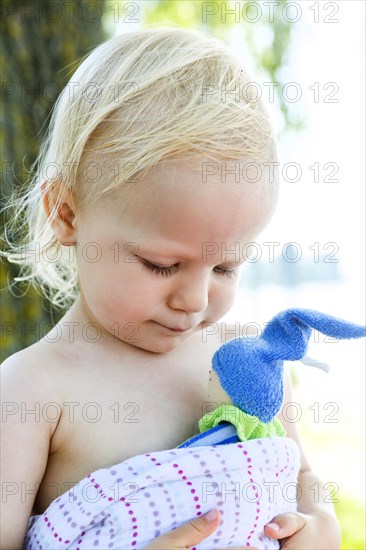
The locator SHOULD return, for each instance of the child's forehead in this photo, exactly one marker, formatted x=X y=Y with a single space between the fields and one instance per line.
x=248 y=175
x=174 y=199
x=197 y=185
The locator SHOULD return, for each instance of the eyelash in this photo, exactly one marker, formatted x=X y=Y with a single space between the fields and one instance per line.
x=166 y=271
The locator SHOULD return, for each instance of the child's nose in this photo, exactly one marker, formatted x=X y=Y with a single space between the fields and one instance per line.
x=190 y=295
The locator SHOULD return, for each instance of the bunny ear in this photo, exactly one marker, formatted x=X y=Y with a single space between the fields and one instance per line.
x=287 y=334
x=251 y=370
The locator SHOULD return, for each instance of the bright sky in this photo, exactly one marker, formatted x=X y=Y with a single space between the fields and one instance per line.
x=324 y=212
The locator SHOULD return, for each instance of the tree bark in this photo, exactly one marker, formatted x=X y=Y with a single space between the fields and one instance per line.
x=42 y=45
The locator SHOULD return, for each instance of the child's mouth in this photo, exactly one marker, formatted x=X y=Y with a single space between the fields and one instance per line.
x=174 y=329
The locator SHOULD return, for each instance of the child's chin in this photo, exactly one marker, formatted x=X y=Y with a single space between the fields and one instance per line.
x=162 y=345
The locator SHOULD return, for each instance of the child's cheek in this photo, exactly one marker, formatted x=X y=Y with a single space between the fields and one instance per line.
x=225 y=295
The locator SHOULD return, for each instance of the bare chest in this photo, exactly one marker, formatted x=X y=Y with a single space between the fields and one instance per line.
x=124 y=412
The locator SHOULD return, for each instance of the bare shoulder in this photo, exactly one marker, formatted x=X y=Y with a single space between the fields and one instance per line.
x=31 y=380
x=28 y=362
x=28 y=388
x=35 y=368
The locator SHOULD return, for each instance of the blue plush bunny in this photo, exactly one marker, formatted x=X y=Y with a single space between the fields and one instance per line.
x=250 y=371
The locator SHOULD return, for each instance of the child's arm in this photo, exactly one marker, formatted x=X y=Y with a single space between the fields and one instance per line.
x=25 y=440
x=315 y=526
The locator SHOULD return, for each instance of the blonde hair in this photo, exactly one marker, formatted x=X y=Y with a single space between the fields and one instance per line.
x=135 y=100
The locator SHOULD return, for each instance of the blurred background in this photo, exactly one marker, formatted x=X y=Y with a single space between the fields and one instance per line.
x=308 y=61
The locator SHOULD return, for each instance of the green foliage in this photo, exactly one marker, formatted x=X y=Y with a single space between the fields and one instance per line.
x=347 y=444
x=351 y=515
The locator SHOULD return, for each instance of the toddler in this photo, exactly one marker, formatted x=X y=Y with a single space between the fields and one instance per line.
x=157 y=171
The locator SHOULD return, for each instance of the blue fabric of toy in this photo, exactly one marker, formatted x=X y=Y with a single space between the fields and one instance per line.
x=251 y=369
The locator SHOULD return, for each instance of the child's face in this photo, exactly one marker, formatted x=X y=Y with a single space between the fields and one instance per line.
x=199 y=230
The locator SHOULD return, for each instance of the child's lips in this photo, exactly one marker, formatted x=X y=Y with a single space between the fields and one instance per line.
x=174 y=329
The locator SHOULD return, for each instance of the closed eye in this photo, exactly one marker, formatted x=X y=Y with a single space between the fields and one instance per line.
x=167 y=271
x=153 y=268
x=228 y=272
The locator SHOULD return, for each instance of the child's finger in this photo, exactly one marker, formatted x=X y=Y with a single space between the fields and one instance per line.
x=189 y=534
x=285 y=525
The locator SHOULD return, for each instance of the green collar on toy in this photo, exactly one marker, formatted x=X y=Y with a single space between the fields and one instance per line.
x=247 y=426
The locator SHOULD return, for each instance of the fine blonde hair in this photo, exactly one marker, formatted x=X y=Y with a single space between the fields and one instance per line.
x=135 y=100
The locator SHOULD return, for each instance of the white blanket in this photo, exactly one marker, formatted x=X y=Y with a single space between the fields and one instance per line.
x=127 y=505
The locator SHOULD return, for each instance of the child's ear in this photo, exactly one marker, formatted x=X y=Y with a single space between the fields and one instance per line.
x=60 y=210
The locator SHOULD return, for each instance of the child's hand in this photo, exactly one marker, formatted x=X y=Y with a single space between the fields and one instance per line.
x=303 y=531
x=189 y=534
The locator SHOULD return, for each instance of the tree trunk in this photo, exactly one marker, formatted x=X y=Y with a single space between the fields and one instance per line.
x=42 y=45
